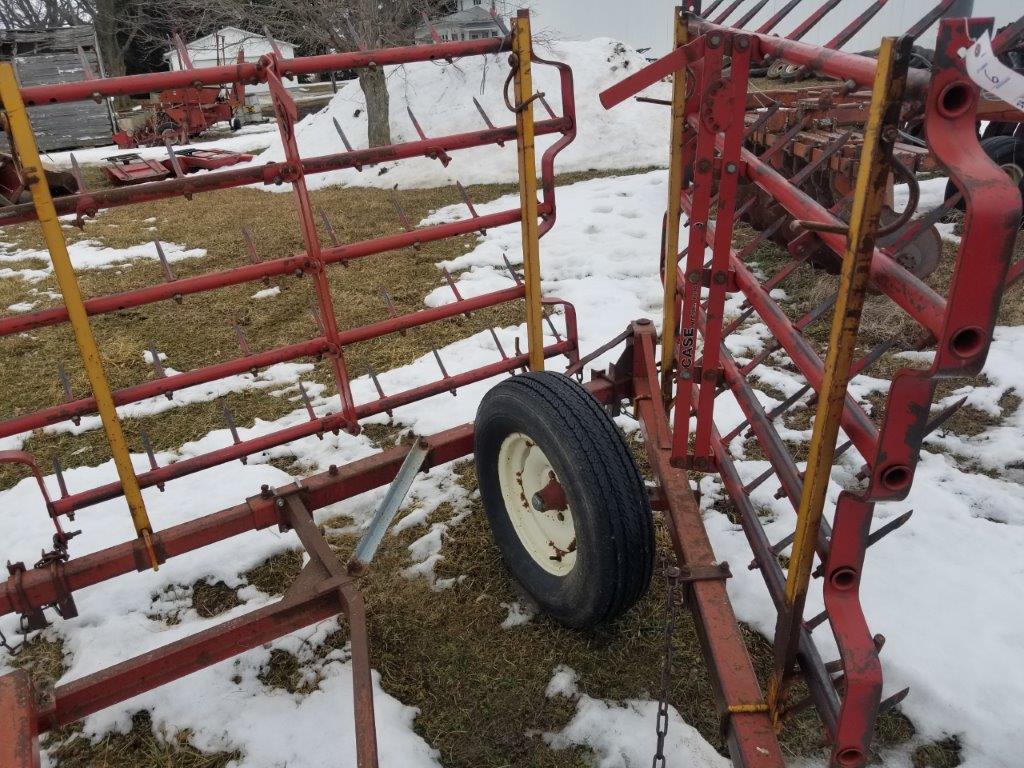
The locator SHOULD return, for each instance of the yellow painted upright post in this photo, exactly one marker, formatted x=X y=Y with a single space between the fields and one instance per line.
x=869 y=195
x=522 y=52
x=24 y=145
x=674 y=212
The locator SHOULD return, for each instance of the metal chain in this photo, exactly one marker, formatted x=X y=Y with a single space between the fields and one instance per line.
x=661 y=726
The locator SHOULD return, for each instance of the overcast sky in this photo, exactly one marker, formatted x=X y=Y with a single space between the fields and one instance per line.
x=643 y=23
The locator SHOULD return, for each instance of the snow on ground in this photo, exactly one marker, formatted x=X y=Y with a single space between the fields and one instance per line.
x=440 y=95
x=90 y=254
x=930 y=588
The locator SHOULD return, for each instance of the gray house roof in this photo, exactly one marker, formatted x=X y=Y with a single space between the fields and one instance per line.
x=475 y=18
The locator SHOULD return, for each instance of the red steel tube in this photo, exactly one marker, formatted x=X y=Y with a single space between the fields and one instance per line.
x=311 y=348
x=251 y=273
x=254 y=73
x=73 y=502
x=273 y=173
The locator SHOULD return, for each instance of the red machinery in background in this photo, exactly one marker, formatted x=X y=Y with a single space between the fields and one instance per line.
x=178 y=114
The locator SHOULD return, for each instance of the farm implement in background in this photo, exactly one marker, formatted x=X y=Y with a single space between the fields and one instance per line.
x=567 y=505
x=182 y=112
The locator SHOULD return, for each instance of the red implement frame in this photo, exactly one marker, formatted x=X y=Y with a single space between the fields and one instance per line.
x=958 y=325
x=323 y=589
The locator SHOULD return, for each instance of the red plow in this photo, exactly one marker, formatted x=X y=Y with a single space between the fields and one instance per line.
x=566 y=503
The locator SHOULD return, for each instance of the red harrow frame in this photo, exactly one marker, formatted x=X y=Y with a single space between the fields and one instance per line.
x=712 y=174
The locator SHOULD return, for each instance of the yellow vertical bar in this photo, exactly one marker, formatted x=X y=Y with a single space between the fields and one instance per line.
x=24 y=145
x=522 y=49
x=675 y=186
x=869 y=195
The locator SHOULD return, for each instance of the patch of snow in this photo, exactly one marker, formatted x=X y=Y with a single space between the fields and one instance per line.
x=518 y=614
x=23 y=306
x=564 y=682
x=266 y=293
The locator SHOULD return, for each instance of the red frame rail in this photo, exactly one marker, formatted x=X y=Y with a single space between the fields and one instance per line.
x=323 y=589
x=958 y=325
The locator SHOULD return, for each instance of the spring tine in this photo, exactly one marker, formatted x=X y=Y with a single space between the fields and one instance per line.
x=551 y=325
x=877 y=535
x=315 y=311
x=168 y=274
x=497 y=343
x=243 y=343
x=776 y=549
x=402 y=215
x=254 y=255
x=430 y=25
x=341 y=133
x=444 y=372
x=331 y=233
x=943 y=416
x=469 y=204
x=58 y=471
x=230 y=421
x=148 y=446
x=511 y=270
x=155 y=361
x=455 y=288
x=76 y=171
x=762 y=118
x=742 y=21
x=774 y=413
x=753 y=484
x=175 y=165
x=415 y=123
x=833 y=147
x=436 y=154
x=890 y=702
x=872 y=357
x=87 y=72
x=65 y=383
x=272 y=42
x=769 y=25
x=547 y=107
x=376 y=383
x=487 y=120
x=390 y=303
x=780 y=143
x=498 y=20
x=309 y=407
x=815 y=621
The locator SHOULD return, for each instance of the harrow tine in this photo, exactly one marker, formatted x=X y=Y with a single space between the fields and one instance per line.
x=390 y=303
x=1010 y=34
x=158 y=367
x=272 y=42
x=430 y=26
x=166 y=266
x=243 y=344
x=469 y=203
x=551 y=325
x=254 y=255
x=380 y=390
x=434 y=154
x=855 y=26
x=402 y=215
x=749 y=14
x=487 y=120
x=65 y=383
x=230 y=421
x=929 y=18
x=497 y=343
x=345 y=141
x=511 y=269
x=934 y=423
x=872 y=357
x=455 y=288
x=315 y=311
x=547 y=107
x=712 y=8
x=773 y=22
x=877 y=535
x=76 y=171
x=762 y=118
x=329 y=227
x=59 y=472
x=87 y=72
x=499 y=21
x=175 y=165
x=148 y=447
x=891 y=701
x=784 y=139
x=309 y=407
x=444 y=372
x=800 y=177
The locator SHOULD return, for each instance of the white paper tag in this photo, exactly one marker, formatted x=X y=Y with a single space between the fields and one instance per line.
x=985 y=69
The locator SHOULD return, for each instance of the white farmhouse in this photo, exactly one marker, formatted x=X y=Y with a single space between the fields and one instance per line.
x=222 y=46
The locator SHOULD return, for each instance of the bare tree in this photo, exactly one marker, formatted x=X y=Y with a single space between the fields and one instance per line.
x=317 y=26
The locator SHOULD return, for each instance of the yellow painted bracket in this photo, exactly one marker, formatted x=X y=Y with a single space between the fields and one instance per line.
x=869 y=195
x=24 y=144
x=522 y=55
x=670 y=256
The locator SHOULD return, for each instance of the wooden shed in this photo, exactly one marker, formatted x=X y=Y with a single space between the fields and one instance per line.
x=59 y=55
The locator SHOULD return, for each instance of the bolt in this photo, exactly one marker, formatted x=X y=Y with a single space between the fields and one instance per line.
x=730 y=167
x=265 y=491
x=890 y=133
x=694 y=277
x=279 y=503
x=333 y=470
x=715 y=40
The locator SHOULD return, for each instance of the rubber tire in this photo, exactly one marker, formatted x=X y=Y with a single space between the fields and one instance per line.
x=604 y=488
x=1001 y=150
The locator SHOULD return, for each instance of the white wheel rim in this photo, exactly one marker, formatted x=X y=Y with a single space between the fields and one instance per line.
x=548 y=536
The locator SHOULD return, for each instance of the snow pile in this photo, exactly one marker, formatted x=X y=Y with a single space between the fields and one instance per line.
x=90 y=254
x=441 y=96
